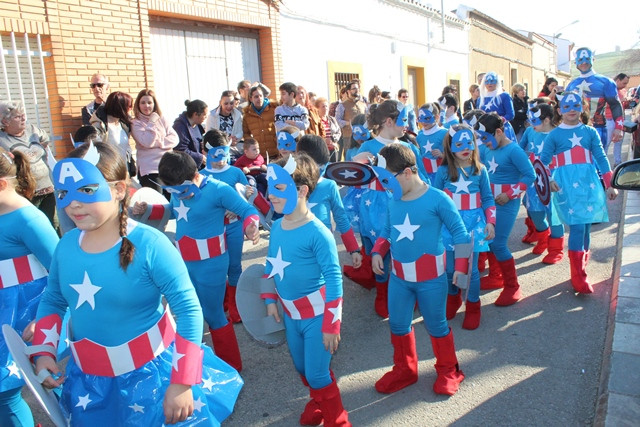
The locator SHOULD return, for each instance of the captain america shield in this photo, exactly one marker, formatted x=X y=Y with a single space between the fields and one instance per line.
x=349 y=173
x=542 y=182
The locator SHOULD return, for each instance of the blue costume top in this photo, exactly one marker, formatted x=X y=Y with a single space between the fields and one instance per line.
x=429 y=140
x=600 y=91
x=450 y=121
x=581 y=199
x=325 y=200
x=503 y=105
x=508 y=165
x=227 y=174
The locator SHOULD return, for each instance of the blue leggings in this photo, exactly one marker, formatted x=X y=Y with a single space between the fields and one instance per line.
x=474 y=286
x=368 y=246
x=505 y=218
x=304 y=338
x=432 y=298
x=579 y=237
x=540 y=221
x=14 y=411
x=209 y=280
x=235 y=240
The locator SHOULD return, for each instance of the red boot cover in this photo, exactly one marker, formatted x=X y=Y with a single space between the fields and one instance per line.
x=363 y=276
x=330 y=403
x=449 y=374
x=381 y=304
x=453 y=304
x=494 y=279
x=529 y=237
x=225 y=345
x=405 y=365
x=472 y=315
x=232 y=308
x=579 y=272
x=554 y=251
x=543 y=241
x=511 y=292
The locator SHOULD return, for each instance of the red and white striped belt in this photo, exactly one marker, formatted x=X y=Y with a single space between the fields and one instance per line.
x=306 y=307
x=95 y=359
x=19 y=270
x=200 y=249
x=575 y=156
x=431 y=165
x=465 y=202
x=426 y=267
x=501 y=188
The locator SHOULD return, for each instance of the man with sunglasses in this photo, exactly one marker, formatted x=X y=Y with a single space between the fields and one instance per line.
x=100 y=88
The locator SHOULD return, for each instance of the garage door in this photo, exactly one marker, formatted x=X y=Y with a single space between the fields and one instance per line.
x=199 y=65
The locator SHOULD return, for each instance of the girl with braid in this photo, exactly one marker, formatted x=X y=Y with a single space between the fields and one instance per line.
x=130 y=363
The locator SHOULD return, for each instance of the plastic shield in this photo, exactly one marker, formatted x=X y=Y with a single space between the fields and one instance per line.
x=464 y=280
x=151 y=197
x=542 y=182
x=350 y=173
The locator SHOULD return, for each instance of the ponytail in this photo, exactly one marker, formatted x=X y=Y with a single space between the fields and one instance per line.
x=26 y=182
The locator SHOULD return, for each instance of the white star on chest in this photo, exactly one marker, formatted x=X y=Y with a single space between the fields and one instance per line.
x=182 y=211
x=575 y=140
x=571 y=211
x=493 y=165
x=198 y=404
x=86 y=292
x=176 y=358
x=428 y=146
x=584 y=86
x=348 y=174
x=406 y=229
x=540 y=147
x=461 y=185
x=137 y=408
x=13 y=370
x=207 y=383
x=337 y=313
x=51 y=336
x=278 y=264
x=83 y=401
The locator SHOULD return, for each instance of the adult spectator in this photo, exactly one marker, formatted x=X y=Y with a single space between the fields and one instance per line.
x=598 y=90
x=549 y=89
x=472 y=103
x=622 y=80
x=375 y=95
x=332 y=131
x=153 y=136
x=520 y=108
x=189 y=128
x=385 y=95
x=403 y=97
x=334 y=105
x=17 y=134
x=315 y=123
x=243 y=93
x=228 y=120
x=347 y=110
x=480 y=78
x=100 y=88
x=289 y=112
x=258 y=120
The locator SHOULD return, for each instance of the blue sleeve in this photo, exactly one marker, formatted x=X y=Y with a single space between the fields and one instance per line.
x=451 y=219
x=413 y=125
x=524 y=166
x=41 y=239
x=548 y=149
x=611 y=97
x=441 y=177
x=506 y=106
x=337 y=209
x=240 y=177
x=52 y=301
x=486 y=194
x=233 y=202
x=524 y=141
x=326 y=252
x=598 y=151
x=422 y=172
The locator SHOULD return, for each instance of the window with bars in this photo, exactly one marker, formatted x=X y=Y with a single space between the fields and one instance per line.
x=341 y=80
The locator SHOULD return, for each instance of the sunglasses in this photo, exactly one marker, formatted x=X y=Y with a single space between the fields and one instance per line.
x=94 y=85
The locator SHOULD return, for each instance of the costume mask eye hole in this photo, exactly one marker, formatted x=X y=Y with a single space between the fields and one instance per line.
x=89 y=190
x=61 y=194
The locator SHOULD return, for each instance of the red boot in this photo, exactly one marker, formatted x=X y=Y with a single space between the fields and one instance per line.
x=449 y=374
x=381 y=303
x=494 y=279
x=453 y=304
x=472 y=315
x=529 y=237
x=225 y=345
x=482 y=261
x=232 y=308
x=330 y=403
x=312 y=415
x=578 y=261
x=543 y=241
x=554 y=250
x=363 y=276
x=405 y=365
x=511 y=292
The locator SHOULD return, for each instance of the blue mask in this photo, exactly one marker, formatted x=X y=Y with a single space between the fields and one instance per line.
x=403 y=117
x=491 y=78
x=485 y=137
x=426 y=116
x=277 y=175
x=184 y=190
x=217 y=154
x=360 y=133
x=570 y=101
x=287 y=141
x=584 y=56
x=78 y=179
x=461 y=140
x=534 y=117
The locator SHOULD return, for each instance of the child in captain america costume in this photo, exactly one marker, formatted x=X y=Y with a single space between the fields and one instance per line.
x=303 y=261
x=199 y=204
x=415 y=218
x=27 y=243
x=548 y=231
x=599 y=91
x=510 y=173
x=493 y=98
x=430 y=139
x=578 y=195
x=216 y=147
x=464 y=178
x=130 y=364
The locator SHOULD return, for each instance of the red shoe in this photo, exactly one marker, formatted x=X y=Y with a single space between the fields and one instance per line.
x=381 y=304
x=554 y=250
x=511 y=292
x=494 y=280
x=449 y=374
x=578 y=261
x=405 y=365
x=543 y=241
x=330 y=403
x=232 y=308
x=531 y=229
x=225 y=345
x=453 y=304
x=482 y=261
x=472 y=315
x=363 y=276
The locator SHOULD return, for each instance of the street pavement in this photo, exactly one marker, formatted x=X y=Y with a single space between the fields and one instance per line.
x=553 y=359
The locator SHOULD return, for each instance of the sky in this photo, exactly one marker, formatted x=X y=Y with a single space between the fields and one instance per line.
x=599 y=28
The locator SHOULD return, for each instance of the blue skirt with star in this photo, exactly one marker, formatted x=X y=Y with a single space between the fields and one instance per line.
x=581 y=199
x=135 y=398
x=474 y=220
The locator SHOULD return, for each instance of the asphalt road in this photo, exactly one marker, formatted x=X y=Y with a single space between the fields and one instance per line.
x=535 y=363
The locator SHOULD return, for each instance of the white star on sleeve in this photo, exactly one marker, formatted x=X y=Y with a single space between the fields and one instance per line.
x=461 y=185
x=51 y=335
x=278 y=264
x=182 y=211
x=516 y=190
x=176 y=358
x=406 y=229
x=493 y=165
x=137 y=408
x=337 y=313
x=86 y=292
x=575 y=140
x=83 y=401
